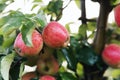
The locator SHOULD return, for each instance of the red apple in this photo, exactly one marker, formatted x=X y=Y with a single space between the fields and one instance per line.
x=55 y=35
x=23 y=50
x=47 y=63
x=111 y=55
x=117 y=15
x=29 y=76
x=47 y=77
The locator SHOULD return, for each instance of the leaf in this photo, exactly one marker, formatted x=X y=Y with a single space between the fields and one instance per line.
x=79 y=70
x=11 y=22
x=82 y=31
x=34 y=6
x=21 y=70
x=72 y=62
x=9 y=39
x=2 y=6
x=91 y=26
x=26 y=31
x=1 y=39
x=3 y=1
x=5 y=65
x=67 y=76
x=77 y=3
x=114 y=2
x=54 y=9
x=37 y=0
x=67 y=26
x=41 y=19
x=115 y=73
x=86 y=55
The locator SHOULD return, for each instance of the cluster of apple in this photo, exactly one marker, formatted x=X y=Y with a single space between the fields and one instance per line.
x=53 y=36
x=111 y=53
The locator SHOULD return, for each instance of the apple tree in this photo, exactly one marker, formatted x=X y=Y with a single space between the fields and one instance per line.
x=38 y=40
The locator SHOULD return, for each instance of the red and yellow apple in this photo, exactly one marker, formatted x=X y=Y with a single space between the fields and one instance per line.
x=47 y=77
x=111 y=55
x=55 y=35
x=23 y=50
x=117 y=15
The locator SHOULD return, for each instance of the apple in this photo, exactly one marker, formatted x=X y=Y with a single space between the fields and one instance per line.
x=29 y=76
x=47 y=77
x=55 y=35
x=23 y=50
x=111 y=55
x=31 y=61
x=46 y=52
x=48 y=66
x=117 y=15
x=47 y=63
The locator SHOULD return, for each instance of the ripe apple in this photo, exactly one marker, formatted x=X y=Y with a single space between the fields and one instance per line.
x=29 y=76
x=47 y=63
x=111 y=55
x=55 y=35
x=47 y=77
x=23 y=50
x=117 y=15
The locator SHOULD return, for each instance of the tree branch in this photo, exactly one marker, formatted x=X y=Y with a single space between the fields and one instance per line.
x=99 y=40
x=83 y=12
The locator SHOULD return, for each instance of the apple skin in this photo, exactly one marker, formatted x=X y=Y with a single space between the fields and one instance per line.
x=55 y=35
x=29 y=76
x=111 y=55
x=47 y=63
x=117 y=15
x=31 y=61
x=24 y=50
x=48 y=66
x=47 y=77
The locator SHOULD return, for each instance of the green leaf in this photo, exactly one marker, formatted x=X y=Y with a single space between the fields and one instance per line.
x=114 y=2
x=91 y=26
x=3 y=1
x=1 y=39
x=77 y=3
x=67 y=76
x=67 y=26
x=80 y=70
x=41 y=19
x=9 y=39
x=5 y=65
x=115 y=73
x=72 y=62
x=86 y=55
x=34 y=6
x=82 y=31
x=21 y=70
x=2 y=7
x=26 y=31
x=54 y=9
x=11 y=22
x=37 y=0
